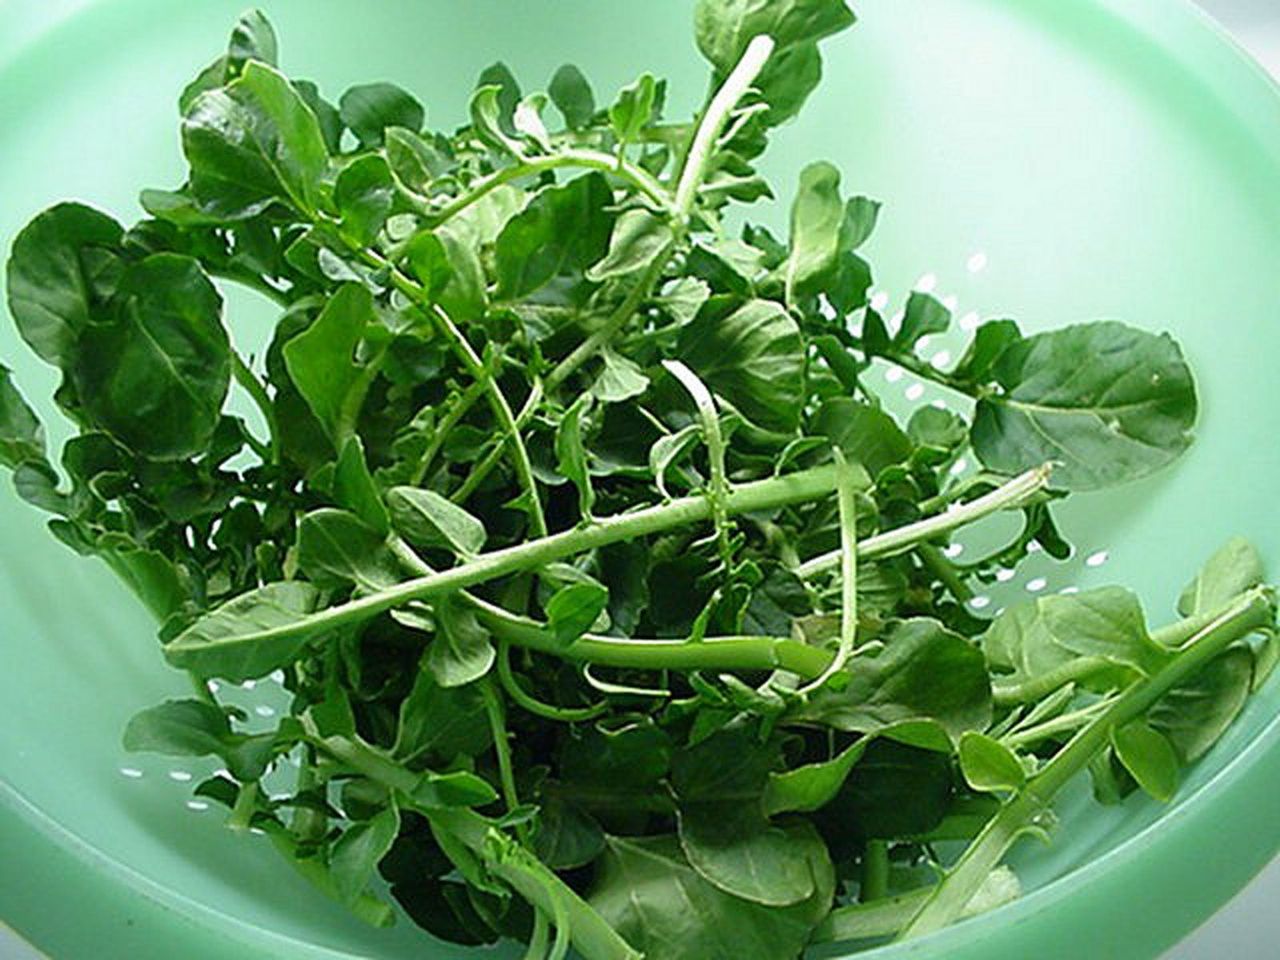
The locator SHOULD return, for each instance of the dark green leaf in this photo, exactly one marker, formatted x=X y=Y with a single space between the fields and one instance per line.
x=338 y=549
x=1103 y=401
x=638 y=237
x=754 y=358
x=895 y=790
x=633 y=110
x=571 y=455
x=571 y=93
x=725 y=27
x=156 y=376
x=647 y=891
x=817 y=219
x=989 y=341
x=322 y=360
x=60 y=272
x=446 y=721
x=812 y=786
x=923 y=317
x=178 y=728
x=354 y=487
x=252 y=38
x=446 y=264
x=566 y=837
x=357 y=853
x=866 y=435
x=21 y=435
x=253 y=142
x=563 y=229
x=365 y=195
x=924 y=672
x=369 y=108
x=1195 y=715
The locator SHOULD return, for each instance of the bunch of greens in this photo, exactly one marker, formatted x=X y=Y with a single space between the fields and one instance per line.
x=614 y=607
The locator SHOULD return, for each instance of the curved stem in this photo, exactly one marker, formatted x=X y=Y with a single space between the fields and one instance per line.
x=588 y=159
x=1012 y=494
x=1037 y=688
x=493 y=708
x=485 y=466
x=713 y=121
x=522 y=698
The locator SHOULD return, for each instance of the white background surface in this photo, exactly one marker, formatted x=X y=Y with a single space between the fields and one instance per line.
x=1248 y=928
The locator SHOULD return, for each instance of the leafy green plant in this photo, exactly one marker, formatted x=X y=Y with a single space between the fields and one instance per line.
x=602 y=581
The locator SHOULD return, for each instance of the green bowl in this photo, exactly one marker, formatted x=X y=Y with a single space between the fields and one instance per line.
x=1047 y=160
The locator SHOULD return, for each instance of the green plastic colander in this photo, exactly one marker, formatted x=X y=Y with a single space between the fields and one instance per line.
x=1052 y=160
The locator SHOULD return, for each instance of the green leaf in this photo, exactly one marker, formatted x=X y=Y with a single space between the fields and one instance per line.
x=812 y=786
x=923 y=317
x=571 y=93
x=566 y=837
x=1149 y=757
x=733 y=847
x=226 y=643
x=860 y=217
x=924 y=672
x=1194 y=715
x=252 y=38
x=357 y=853
x=148 y=573
x=647 y=891
x=989 y=341
x=1037 y=638
x=156 y=376
x=506 y=96
x=866 y=435
x=1105 y=402
x=638 y=237
x=355 y=489
x=461 y=651
x=338 y=549
x=725 y=27
x=178 y=728
x=1233 y=569
x=988 y=765
x=571 y=455
x=817 y=219
x=322 y=361
x=253 y=142
x=573 y=609
x=895 y=790
x=564 y=229
x=413 y=161
x=21 y=435
x=633 y=110
x=365 y=195
x=754 y=358
x=59 y=273
x=426 y=519
x=459 y=788
x=629 y=757
x=446 y=263
x=331 y=126
x=620 y=379
x=369 y=108
x=443 y=721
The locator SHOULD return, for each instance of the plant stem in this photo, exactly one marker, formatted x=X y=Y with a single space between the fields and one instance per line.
x=616 y=321
x=485 y=466
x=466 y=400
x=875 y=871
x=497 y=715
x=253 y=386
x=848 y=504
x=1065 y=723
x=713 y=121
x=1012 y=494
x=511 y=684
x=945 y=571
x=589 y=159
x=1251 y=611
x=478 y=371
x=746 y=498
x=1039 y=687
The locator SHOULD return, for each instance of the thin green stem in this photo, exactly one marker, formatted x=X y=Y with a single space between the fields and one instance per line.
x=538 y=938
x=875 y=871
x=461 y=346
x=522 y=698
x=745 y=498
x=250 y=281
x=497 y=715
x=1064 y=723
x=848 y=505
x=1249 y=612
x=713 y=120
x=615 y=322
x=1012 y=494
x=258 y=393
x=713 y=438
x=1039 y=687
x=639 y=178
x=460 y=408
x=945 y=571
x=491 y=459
